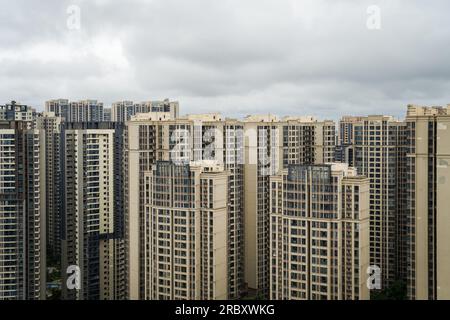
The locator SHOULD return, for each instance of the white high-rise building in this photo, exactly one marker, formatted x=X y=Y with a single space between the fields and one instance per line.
x=22 y=212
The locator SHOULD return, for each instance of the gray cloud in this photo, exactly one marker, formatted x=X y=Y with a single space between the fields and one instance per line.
x=238 y=57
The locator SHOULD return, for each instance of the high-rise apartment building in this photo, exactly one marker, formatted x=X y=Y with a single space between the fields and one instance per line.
x=344 y=148
x=17 y=112
x=81 y=111
x=123 y=111
x=263 y=157
x=156 y=136
x=307 y=140
x=379 y=154
x=60 y=107
x=345 y=133
x=251 y=151
x=157 y=206
x=92 y=238
x=85 y=111
x=165 y=105
x=344 y=154
x=52 y=127
x=186 y=226
x=319 y=233
x=107 y=114
x=270 y=145
x=22 y=212
x=428 y=201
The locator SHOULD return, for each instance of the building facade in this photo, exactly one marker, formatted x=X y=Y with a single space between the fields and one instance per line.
x=379 y=154
x=270 y=145
x=152 y=205
x=345 y=132
x=60 y=108
x=319 y=233
x=22 y=212
x=427 y=212
x=122 y=111
x=186 y=231
x=52 y=127
x=17 y=112
x=92 y=237
x=263 y=157
x=156 y=136
x=81 y=111
x=107 y=116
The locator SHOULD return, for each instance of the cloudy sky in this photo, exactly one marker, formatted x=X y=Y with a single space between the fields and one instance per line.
x=303 y=57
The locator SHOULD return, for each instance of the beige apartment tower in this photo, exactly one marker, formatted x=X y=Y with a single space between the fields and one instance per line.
x=186 y=231
x=379 y=154
x=319 y=233
x=427 y=214
x=263 y=158
x=251 y=151
x=345 y=132
x=270 y=145
x=153 y=137
x=307 y=140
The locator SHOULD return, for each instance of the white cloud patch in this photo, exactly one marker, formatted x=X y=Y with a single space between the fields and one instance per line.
x=282 y=56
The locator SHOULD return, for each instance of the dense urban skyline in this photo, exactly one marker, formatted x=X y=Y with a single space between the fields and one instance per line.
x=224 y=152
x=140 y=202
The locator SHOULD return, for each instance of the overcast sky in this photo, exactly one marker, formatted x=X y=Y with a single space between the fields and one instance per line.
x=300 y=57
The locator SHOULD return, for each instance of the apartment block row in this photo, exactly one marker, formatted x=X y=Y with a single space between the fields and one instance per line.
x=94 y=111
x=148 y=204
x=407 y=164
